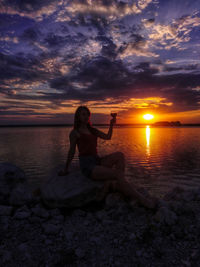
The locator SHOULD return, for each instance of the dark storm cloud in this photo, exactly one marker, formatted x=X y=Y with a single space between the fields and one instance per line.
x=96 y=20
x=181 y=94
x=53 y=40
x=30 y=34
x=109 y=49
x=20 y=66
x=107 y=78
x=134 y=42
x=112 y=79
x=26 y=113
x=19 y=104
x=99 y=22
x=102 y=72
x=25 y=5
x=60 y=83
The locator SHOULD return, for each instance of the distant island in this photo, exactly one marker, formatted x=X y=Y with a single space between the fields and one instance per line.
x=167 y=123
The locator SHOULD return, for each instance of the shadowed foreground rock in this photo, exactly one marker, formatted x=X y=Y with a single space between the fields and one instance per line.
x=115 y=234
x=14 y=189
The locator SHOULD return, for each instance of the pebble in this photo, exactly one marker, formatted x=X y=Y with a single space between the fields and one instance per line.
x=48 y=242
x=132 y=236
x=6 y=256
x=5 y=210
x=51 y=228
x=80 y=252
x=41 y=212
x=21 y=215
x=68 y=235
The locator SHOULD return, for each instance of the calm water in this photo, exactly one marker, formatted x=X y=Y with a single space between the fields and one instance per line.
x=156 y=158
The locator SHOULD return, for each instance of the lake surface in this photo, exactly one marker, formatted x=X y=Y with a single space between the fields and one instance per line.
x=157 y=158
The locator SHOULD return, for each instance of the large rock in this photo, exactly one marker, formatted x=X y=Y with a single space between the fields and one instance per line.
x=71 y=191
x=13 y=184
x=10 y=176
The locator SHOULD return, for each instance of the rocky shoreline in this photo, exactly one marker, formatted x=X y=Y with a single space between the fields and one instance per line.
x=112 y=232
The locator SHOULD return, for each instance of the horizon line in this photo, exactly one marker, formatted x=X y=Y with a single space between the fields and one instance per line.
x=95 y=124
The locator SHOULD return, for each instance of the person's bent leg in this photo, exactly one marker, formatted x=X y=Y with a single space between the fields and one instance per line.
x=109 y=160
x=126 y=188
x=120 y=163
x=103 y=173
x=116 y=159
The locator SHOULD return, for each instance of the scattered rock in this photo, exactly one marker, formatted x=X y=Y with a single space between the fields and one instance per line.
x=5 y=210
x=174 y=194
x=40 y=211
x=4 y=223
x=21 y=195
x=6 y=257
x=80 y=253
x=36 y=233
x=51 y=228
x=112 y=200
x=22 y=215
x=132 y=236
x=69 y=235
x=10 y=177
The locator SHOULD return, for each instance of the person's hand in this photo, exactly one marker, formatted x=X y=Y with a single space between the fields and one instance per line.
x=63 y=172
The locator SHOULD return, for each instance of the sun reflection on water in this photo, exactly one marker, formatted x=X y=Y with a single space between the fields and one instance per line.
x=148 y=140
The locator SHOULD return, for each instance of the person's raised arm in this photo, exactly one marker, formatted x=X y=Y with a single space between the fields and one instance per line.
x=107 y=136
x=71 y=152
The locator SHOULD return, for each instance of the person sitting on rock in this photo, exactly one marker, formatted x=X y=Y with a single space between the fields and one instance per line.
x=84 y=136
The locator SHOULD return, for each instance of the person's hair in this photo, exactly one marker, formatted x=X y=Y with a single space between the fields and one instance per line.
x=77 y=121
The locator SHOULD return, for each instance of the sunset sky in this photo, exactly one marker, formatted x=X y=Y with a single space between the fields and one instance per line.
x=133 y=57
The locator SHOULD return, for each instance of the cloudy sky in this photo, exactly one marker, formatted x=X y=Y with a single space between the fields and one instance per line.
x=134 y=57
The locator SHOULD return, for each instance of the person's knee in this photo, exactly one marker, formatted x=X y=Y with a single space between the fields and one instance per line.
x=115 y=186
x=120 y=155
x=101 y=172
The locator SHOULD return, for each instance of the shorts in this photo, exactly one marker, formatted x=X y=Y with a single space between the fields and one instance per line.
x=87 y=163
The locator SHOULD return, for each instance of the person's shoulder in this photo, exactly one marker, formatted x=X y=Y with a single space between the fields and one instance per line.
x=74 y=133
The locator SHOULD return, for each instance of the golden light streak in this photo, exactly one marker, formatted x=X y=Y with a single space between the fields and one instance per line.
x=148 y=140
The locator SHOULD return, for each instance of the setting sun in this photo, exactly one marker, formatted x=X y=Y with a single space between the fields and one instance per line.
x=148 y=116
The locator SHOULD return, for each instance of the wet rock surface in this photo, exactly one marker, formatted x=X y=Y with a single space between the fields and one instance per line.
x=110 y=233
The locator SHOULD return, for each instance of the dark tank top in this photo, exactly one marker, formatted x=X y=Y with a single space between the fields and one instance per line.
x=87 y=144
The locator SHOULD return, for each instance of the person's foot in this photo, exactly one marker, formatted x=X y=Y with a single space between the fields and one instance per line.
x=152 y=203
x=104 y=191
x=36 y=192
x=62 y=172
x=133 y=204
